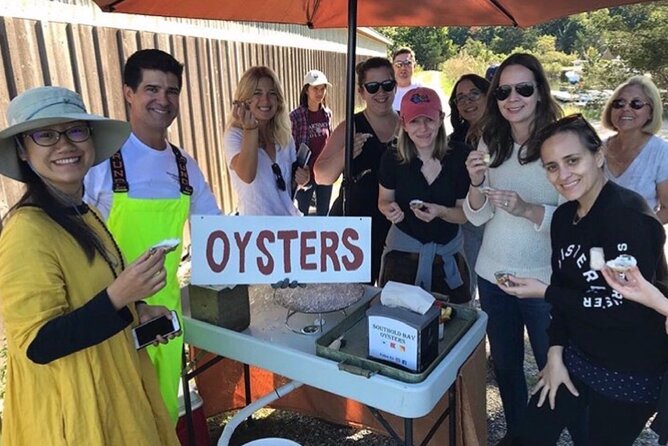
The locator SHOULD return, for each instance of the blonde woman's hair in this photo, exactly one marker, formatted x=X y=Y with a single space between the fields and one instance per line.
x=406 y=149
x=279 y=126
x=648 y=87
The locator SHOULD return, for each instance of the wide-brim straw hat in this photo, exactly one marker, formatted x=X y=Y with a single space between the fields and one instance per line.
x=44 y=106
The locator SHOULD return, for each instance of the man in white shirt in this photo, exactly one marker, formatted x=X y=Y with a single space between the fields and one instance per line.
x=403 y=61
x=149 y=188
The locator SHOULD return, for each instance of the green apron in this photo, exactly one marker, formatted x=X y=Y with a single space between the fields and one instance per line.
x=137 y=224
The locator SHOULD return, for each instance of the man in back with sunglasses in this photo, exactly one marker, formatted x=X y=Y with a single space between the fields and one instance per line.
x=150 y=187
x=403 y=62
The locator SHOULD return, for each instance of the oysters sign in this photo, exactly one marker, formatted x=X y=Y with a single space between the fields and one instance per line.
x=253 y=250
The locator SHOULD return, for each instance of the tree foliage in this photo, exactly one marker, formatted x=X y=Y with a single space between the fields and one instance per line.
x=612 y=44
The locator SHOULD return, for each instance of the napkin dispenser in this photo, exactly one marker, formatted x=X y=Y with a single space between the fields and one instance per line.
x=402 y=337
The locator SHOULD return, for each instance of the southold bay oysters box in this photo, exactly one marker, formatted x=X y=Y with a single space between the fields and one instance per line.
x=403 y=337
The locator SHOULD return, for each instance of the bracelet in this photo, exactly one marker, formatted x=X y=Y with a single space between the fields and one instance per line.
x=479 y=184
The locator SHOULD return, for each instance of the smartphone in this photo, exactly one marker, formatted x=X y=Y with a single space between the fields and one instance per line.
x=303 y=155
x=146 y=333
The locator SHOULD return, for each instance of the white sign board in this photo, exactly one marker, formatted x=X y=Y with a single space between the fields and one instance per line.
x=252 y=250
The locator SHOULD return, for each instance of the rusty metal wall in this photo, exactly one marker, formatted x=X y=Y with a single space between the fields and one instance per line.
x=89 y=59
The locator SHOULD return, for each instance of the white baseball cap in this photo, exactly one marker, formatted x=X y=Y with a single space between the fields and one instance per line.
x=316 y=77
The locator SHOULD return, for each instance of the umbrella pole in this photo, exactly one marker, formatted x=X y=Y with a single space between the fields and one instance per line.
x=350 y=103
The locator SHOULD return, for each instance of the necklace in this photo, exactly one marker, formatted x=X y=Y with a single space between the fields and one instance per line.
x=105 y=255
x=576 y=219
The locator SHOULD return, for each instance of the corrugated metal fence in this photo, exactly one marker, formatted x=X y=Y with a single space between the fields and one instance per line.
x=89 y=59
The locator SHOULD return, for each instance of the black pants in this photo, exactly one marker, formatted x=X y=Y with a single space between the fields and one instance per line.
x=592 y=419
x=402 y=267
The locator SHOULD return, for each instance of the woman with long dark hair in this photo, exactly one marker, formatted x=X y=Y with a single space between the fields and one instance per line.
x=68 y=301
x=312 y=125
x=510 y=195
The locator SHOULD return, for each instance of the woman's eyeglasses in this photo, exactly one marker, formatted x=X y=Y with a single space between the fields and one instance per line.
x=278 y=176
x=50 y=137
x=403 y=63
x=387 y=85
x=472 y=96
x=635 y=104
x=524 y=89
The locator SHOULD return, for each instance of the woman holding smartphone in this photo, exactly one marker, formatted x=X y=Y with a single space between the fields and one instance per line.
x=375 y=129
x=312 y=125
x=510 y=195
x=608 y=353
x=423 y=182
x=68 y=301
x=259 y=148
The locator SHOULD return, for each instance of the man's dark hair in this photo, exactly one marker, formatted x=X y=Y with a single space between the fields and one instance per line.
x=403 y=50
x=151 y=59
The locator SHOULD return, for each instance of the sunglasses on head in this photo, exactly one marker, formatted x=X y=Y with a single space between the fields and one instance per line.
x=524 y=89
x=472 y=96
x=278 y=175
x=635 y=104
x=575 y=122
x=403 y=63
x=373 y=87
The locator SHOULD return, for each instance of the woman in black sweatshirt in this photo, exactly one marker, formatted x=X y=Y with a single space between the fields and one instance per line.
x=609 y=353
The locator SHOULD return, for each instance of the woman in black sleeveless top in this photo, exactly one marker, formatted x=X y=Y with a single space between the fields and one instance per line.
x=375 y=129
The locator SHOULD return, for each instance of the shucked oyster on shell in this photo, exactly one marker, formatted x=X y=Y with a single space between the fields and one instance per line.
x=622 y=263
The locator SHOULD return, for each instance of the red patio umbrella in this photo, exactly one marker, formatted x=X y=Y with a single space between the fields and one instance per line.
x=353 y=13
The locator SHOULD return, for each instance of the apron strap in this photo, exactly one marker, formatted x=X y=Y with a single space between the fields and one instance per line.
x=181 y=161
x=120 y=181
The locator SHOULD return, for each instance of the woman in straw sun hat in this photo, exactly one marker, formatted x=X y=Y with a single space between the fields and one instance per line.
x=67 y=300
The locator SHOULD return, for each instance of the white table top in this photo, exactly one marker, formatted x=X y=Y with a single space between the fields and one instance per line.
x=270 y=345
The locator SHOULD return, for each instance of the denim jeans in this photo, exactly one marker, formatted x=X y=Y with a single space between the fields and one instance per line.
x=508 y=315
x=323 y=195
x=472 y=242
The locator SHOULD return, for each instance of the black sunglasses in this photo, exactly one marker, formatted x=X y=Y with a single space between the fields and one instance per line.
x=635 y=104
x=373 y=87
x=524 y=89
x=403 y=63
x=278 y=175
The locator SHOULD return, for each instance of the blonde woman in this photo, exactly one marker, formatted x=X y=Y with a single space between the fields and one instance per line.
x=259 y=147
x=635 y=157
x=425 y=236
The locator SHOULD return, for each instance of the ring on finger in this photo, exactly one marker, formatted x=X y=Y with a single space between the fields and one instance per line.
x=505 y=204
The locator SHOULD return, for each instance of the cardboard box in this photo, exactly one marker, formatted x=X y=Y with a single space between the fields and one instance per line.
x=402 y=337
x=220 y=305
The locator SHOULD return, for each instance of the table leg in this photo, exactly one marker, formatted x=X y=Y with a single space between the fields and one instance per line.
x=247 y=384
x=408 y=432
x=452 y=403
x=186 y=398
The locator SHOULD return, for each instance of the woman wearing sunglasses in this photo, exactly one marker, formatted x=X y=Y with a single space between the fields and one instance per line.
x=634 y=157
x=68 y=301
x=510 y=195
x=375 y=128
x=607 y=353
x=467 y=106
x=259 y=148
x=425 y=235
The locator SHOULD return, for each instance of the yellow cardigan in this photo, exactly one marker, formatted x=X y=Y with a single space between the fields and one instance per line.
x=103 y=395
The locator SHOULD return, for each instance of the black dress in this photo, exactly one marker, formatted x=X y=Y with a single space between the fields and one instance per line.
x=364 y=191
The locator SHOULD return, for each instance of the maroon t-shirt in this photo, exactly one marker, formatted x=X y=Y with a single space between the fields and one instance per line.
x=318 y=132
